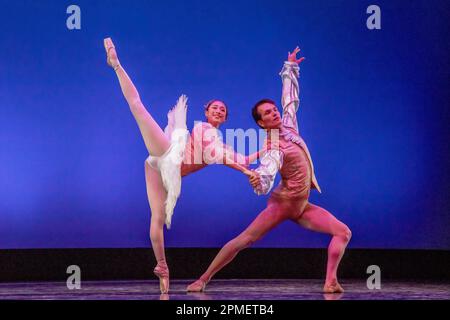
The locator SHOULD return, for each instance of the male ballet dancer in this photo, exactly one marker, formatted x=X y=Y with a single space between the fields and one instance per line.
x=288 y=154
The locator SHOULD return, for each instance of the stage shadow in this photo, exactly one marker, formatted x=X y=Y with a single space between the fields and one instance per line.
x=199 y=295
x=164 y=296
x=333 y=296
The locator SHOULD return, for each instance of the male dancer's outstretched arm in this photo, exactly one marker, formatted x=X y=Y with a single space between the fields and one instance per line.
x=290 y=92
x=272 y=160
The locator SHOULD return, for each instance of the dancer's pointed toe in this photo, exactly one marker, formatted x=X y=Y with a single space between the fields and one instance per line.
x=162 y=272
x=111 y=54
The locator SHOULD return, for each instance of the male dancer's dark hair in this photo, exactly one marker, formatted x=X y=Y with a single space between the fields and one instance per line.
x=255 y=113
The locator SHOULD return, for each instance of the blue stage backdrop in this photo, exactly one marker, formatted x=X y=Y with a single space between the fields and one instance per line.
x=374 y=113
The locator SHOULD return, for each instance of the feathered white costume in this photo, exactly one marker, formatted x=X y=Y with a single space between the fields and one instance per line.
x=169 y=164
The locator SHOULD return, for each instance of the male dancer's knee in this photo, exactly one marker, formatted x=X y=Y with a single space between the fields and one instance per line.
x=339 y=243
x=243 y=242
x=346 y=234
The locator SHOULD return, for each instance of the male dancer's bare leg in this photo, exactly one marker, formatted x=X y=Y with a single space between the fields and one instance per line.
x=318 y=219
x=264 y=222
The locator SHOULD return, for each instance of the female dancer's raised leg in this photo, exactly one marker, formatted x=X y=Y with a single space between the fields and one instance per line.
x=155 y=140
x=157 y=144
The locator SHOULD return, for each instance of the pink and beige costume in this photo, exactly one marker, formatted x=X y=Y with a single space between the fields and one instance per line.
x=287 y=154
x=189 y=153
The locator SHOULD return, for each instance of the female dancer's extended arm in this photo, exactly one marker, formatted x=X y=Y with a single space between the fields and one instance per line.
x=232 y=164
x=155 y=140
x=238 y=161
x=253 y=157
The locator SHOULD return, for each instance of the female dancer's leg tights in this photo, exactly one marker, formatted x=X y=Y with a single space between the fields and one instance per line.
x=157 y=144
x=156 y=194
x=155 y=140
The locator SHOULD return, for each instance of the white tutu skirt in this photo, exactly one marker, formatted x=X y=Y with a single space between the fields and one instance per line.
x=169 y=164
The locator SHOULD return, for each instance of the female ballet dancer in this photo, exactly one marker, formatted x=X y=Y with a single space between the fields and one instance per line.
x=173 y=154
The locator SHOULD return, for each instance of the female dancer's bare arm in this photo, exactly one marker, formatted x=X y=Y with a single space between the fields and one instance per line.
x=230 y=160
x=253 y=157
x=232 y=164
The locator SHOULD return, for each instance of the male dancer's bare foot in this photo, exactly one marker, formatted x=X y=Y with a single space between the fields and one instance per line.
x=197 y=286
x=332 y=287
x=111 y=54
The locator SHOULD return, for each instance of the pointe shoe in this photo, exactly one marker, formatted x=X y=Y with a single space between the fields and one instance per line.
x=162 y=272
x=111 y=55
x=197 y=286
x=333 y=287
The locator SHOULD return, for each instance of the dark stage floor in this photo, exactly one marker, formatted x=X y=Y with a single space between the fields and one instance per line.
x=297 y=289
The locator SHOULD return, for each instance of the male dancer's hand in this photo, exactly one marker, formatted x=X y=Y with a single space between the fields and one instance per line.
x=292 y=57
x=254 y=179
